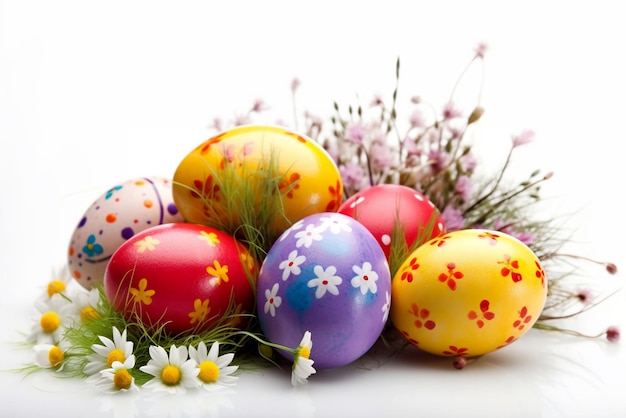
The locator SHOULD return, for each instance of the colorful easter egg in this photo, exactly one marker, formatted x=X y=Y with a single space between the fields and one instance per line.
x=325 y=274
x=117 y=215
x=388 y=207
x=468 y=293
x=185 y=277
x=266 y=176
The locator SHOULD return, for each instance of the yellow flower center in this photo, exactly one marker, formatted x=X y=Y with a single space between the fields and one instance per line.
x=122 y=379
x=170 y=375
x=55 y=286
x=89 y=314
x=209 y=372
x=55 y=355
x=304 y=352
x=115 y=355
x=49 y=322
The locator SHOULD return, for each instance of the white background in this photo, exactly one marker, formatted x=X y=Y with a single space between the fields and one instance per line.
x=95 y=93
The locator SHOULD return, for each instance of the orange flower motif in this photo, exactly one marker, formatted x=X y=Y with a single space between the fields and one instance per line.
x=140 y=294
x=209 y=237
x=205 y=189
x=200 y=311
x=148 y=243
x=335 y=192
x=290 y=184
x=219 y=271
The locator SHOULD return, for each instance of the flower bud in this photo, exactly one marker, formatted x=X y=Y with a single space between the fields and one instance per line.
x=459 y=362
x=612 y=334
x=475 y=115
x=611 y=268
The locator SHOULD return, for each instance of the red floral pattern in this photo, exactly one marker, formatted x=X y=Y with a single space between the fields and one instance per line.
x=491 y=238
x=510 y=267
x=407 y=270
x=454 y=350
x=439 y=241
x=484 y=315
x=451 y=276
x=422 y=317
x=540 y=274
x=205 y=189
x=524 y=319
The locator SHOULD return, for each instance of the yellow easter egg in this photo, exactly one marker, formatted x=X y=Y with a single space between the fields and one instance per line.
x=265 y=176
x=468 y=293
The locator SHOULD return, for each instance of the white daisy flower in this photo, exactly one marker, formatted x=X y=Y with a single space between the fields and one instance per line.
x=86 y=304
x=58 y=285
x=173 y=374
x=53 y=317
x=215 y=371
x=118 y=378
x=302 y=364
x=49 y=356
x=119 y=349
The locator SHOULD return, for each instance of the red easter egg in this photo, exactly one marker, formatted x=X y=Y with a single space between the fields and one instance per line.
x=383 y=207
x=185 y=277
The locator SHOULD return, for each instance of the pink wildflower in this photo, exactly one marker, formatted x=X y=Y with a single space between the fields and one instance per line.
x=355 y=132
x=480 y=50
x=437 y=161
x=376 y=101
x=352 y=175
x=453 y=219
x=450 y=112
x=463 y=187
x=411 y=147
x=380 y=156
x=417 y=119
x=468 y=162
x=295 y=83
x=259 y=106
x=523 y=138
x=613 y=334
x=585 y=296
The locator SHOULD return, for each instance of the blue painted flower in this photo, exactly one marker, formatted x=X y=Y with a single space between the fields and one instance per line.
x=92 y=247
x=111 y=191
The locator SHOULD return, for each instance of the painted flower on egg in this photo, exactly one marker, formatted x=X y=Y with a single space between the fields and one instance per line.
x=328 y=275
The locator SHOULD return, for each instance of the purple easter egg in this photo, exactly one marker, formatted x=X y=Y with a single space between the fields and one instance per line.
x=326 y=274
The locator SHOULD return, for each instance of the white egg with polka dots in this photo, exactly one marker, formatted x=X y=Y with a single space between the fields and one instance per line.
x=121 y=212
